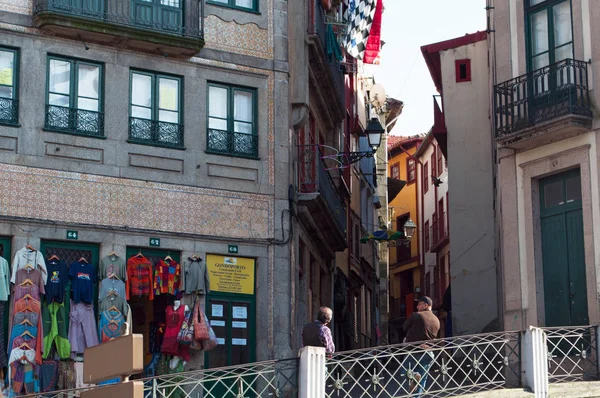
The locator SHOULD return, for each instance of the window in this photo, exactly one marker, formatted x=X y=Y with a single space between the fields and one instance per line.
x=247 y=5
x=463 y=70
x=9 y=77
x=74 y=97
x=425 y=177
x=550 y=32
x=155 y=109
x=396 y=171
x=158 y=14
x=440 y=162
x=433 y=162
x=411 y=170
x=232 y=126
x=426 y=233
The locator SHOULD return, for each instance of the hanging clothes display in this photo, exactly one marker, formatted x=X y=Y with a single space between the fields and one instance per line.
x=194 y=278
x=55 y=330
x=109 y=326
x=82 y=328
x=4 y=295
x=58 y=275
x=112 y=265
x=27 y=257
x=170 y=344
x=113 y=301
x=83 y=279
x=110 y=285
x=27 y=304
x=139 y=277
x=167 y=277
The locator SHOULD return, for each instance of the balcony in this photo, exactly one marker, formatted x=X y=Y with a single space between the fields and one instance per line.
x=232 y=143
x=326 y=211
x=543 y=106
x=74 y=121
x=174 y=28
x=439 y=233
x=155 y=132
x=439 y=130
x=9 y=111
x=327 y=73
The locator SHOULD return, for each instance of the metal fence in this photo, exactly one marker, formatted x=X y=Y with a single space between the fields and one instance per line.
x=572 y=353
x=444 y=368
x=277 y=378
x=9 y=111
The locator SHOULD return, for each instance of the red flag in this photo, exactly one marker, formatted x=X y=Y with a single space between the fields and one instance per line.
x=374 y=39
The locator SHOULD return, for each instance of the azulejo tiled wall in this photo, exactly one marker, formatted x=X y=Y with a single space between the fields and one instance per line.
x=246 y=39
x=107 y=201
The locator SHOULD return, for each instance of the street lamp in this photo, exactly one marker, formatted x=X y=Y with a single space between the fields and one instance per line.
x=374 y=131
x=409 y=229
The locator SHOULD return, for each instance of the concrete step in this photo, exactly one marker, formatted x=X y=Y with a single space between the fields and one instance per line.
x=582 y=389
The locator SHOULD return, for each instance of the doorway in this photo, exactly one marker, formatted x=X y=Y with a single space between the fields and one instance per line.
x=563 y=257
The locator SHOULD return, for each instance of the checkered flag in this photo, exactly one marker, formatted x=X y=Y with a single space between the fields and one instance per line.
x=359 y=26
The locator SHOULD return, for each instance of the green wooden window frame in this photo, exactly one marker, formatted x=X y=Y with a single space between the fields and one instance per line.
x=229 y=142
x=9 y=102
x=233 y=4
x=156 y=14
x=545 y=6
x=72 y=118
x=150 y=129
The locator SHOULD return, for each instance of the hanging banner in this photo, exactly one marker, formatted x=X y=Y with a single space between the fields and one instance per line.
x=231 y=274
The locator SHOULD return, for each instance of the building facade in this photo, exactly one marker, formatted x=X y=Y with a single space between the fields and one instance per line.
x=157 y=129
x=545 y=73
x=460 y=72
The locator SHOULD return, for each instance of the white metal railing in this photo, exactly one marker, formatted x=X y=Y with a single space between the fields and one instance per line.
x=445 y=367
x=572 y=353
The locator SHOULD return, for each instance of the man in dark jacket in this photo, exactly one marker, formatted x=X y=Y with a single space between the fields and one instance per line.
x=421 y=326
x=317 y=333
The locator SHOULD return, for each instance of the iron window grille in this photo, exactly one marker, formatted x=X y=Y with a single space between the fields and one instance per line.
x=9 y=79
x=74 y=97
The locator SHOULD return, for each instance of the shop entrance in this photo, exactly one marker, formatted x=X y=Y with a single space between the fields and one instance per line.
x=149 y=315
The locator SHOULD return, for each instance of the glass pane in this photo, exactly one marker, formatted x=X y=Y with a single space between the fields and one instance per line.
x=563 y=52
x=142 y=113
x=6 y=92
x=89 y=78
x=562 y=23
x=218 y=314
x=7 y=60
x=240 y=127
x=141 y=90
x=168 y=94
x=221 y=1
x=170 y=3
x=87 y=104
x=167 y=116
x=217 y=102
x=573 y=189
x=244 y=3
x=554 y=194
x=534 y=2
x=240 y=351
x=58 y=100
x=217 y=124
x=242 y=106
x=541 y=81
x=60 y=76
x=539 y=32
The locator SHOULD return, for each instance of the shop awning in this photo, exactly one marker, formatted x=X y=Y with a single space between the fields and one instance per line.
x=394 y=188
x=383 y=235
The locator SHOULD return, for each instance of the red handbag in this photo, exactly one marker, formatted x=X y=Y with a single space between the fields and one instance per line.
x=200 y=326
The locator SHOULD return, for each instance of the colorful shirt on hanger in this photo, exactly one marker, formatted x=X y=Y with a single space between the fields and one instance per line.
x=109 y=285
x=4 y=280
x=34 y=275
x=139 y=278
x=109 y=326
x=167 y=277
x=21 y=291
x=26 y=257
x=58 y=275
x=83 y=279
x=113 y=265
x=30 y=305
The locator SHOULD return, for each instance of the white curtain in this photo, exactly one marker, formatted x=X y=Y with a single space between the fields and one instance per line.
x=562 y=31
x=6 y=74
x=244 y=3
x=243 y=112
x=141 y=96
x=60 y=82
x=87 y=87
x=217 y=108
x=168 y=100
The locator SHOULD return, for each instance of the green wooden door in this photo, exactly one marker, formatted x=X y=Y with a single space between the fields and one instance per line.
x=6 y=253
x=563 y=256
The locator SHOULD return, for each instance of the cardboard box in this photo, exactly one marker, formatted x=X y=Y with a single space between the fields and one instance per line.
x=120 y=357
x=131 y=389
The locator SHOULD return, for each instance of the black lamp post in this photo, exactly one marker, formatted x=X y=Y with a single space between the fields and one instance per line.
x=374 y=131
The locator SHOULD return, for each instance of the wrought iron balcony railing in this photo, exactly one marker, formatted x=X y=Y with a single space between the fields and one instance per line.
x=232 y=143
x=155 y=132
x=9 y=111
x=171 y=17
x=74 y=121
x=542 y=95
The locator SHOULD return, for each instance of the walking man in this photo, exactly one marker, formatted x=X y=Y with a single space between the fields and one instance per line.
x=422 y=325
x=317 y=333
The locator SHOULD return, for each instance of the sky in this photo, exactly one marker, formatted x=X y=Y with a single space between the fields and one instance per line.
x=406 y=26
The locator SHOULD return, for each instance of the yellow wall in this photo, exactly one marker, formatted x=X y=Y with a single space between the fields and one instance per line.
x=405 y=202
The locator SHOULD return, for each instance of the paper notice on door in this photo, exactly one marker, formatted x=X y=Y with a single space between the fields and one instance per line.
x=217 y=310
x=239 y=325
x=217 y=323
x=238 y=342
x=220 y=341
x=240 y=312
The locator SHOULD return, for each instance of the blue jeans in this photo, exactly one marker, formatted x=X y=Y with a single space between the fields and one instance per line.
x=420 y=364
